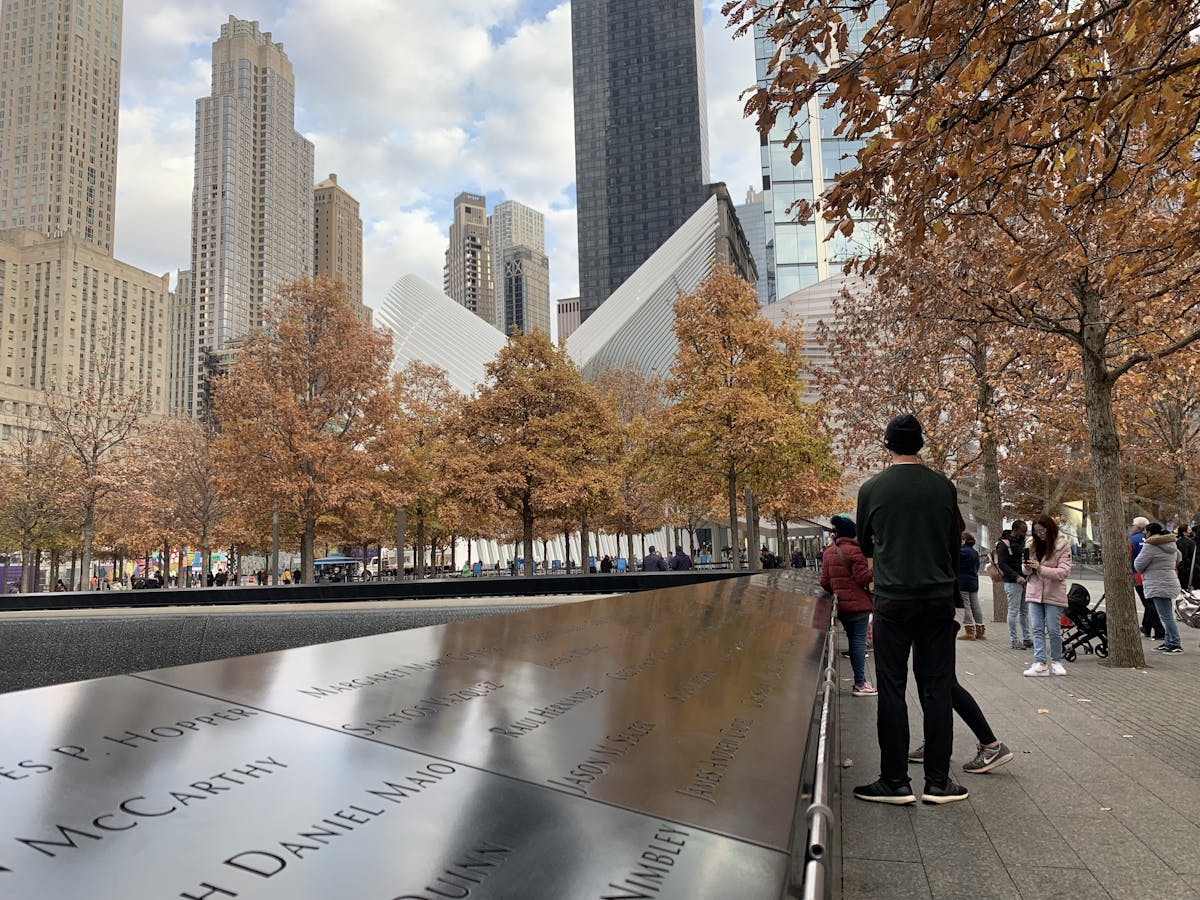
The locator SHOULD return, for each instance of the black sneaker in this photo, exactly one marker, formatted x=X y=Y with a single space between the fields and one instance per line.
x=948 y=791
x=918 y=755
x=882 y=792
x=1173 y=650
x=1027 y=643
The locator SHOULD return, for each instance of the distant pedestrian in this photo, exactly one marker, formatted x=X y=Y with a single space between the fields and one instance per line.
x=910 y=526
x=968 y=588
x=606 y=564
x=1157 y=562
x=1048 y=567
x=653 y=562
x=1152 y=625
x=1189 y=566
x=1010 y=553
x=680 y=562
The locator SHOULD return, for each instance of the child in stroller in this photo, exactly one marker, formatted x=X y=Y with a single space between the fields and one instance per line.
x=1083 y=625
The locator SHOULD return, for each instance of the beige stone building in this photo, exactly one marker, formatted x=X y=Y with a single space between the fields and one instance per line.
x=337 y=240
x=252 y=195
x=60 y=83
x=467 y=276
x=61 y=301
x=510 y=225
x=568 y=318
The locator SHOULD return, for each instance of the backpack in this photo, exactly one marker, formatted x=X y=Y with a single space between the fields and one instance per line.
x=993 y=570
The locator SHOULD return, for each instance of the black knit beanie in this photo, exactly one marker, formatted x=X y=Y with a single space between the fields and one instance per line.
x=903 y=435
x=843 y=527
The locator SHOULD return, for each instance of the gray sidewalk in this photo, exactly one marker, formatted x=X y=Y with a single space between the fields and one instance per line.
x=1101 y=801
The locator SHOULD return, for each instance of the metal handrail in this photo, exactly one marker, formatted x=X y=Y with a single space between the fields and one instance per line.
x=821 y=820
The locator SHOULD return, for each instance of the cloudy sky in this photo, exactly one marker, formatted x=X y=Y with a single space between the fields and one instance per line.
x=409 y=102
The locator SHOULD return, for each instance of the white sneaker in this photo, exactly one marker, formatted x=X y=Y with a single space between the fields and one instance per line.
x=1037 y=670
x=1057 y=668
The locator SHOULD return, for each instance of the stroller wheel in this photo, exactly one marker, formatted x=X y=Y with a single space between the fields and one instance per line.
x=1069 y=654
x=1102 y=652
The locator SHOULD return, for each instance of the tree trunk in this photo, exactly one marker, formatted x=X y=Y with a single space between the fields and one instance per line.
x=419 y=561
x=993 y=514
x=629 y=541
x=753 y=563
x=735 y=554
x=72 y=584
x=585 y=544
x=26 y=567
x=89 y=535
x=400 y=545
x=166 y=565
x=1124 y=631
x=527 y=534
x=306 y=548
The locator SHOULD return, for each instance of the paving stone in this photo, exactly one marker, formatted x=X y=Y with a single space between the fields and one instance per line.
x=1038 y=882
x=980 y=879
x=1149 y=880
x=871 y=879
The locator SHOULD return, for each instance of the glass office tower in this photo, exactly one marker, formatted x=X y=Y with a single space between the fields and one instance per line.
x=641 y=135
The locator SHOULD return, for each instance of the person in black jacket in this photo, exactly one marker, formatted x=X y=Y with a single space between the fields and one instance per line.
x=968 y=588
x=1189 y=565
x=1009 y=552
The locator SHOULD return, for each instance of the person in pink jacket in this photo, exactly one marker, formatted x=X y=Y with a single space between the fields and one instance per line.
x=1047 y=568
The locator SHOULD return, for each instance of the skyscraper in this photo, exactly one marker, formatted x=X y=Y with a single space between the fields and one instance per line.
x=60 y=83
x=799 y=255
x=641 y=134
x=252 y=194
x=526 y=290
x=467 y=276
x=337 y=240
x=511 y=225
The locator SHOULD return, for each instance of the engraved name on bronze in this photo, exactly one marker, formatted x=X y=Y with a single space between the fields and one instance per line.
x=423 y=709
x=601 y=758
x=268 y=859
x=650 y=871
x=542 y=715
x=711 y=771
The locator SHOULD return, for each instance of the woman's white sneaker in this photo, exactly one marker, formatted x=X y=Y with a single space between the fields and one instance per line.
x=1037 y=670
x=1057 y=668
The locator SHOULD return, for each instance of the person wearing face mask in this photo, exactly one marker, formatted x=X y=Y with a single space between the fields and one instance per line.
x=1158 y=564
x=1046 y=572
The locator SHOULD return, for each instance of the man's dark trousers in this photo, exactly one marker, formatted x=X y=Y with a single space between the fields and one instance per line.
x=927 y=628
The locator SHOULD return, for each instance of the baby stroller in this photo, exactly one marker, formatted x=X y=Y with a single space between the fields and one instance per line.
x=1187 y=607
x=1086 y=625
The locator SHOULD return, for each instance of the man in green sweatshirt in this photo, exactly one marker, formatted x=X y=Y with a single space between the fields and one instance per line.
x=909 y=526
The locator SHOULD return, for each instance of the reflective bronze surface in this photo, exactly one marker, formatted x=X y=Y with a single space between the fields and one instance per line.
x=690 y=703
x=120 y=788
x=454 y=761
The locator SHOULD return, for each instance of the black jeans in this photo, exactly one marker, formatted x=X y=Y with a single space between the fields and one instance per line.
x=927 y=629
x=1151 y=623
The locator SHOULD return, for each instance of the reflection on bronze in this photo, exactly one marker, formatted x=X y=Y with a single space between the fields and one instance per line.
x=455 y=761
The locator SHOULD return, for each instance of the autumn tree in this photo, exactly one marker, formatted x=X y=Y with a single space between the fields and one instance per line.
x=37 y=506
x=735 y=378
x=95 y=414
x=303 y=406
x=1063 y=136
x=533 y=423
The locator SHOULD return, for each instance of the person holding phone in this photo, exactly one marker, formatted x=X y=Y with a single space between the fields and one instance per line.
x=1047 y=566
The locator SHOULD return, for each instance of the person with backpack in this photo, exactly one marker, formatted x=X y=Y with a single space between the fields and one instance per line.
x=1008 y=556
x=844 y=572
x=968 y=588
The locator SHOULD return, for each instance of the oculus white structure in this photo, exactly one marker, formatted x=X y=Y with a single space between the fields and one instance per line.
x=632 y=329
x=429 y=327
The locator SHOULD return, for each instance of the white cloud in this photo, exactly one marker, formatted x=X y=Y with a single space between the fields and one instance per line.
x=409 y=103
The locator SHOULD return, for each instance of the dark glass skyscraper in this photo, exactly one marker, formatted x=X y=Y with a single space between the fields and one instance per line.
x=641 y=135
